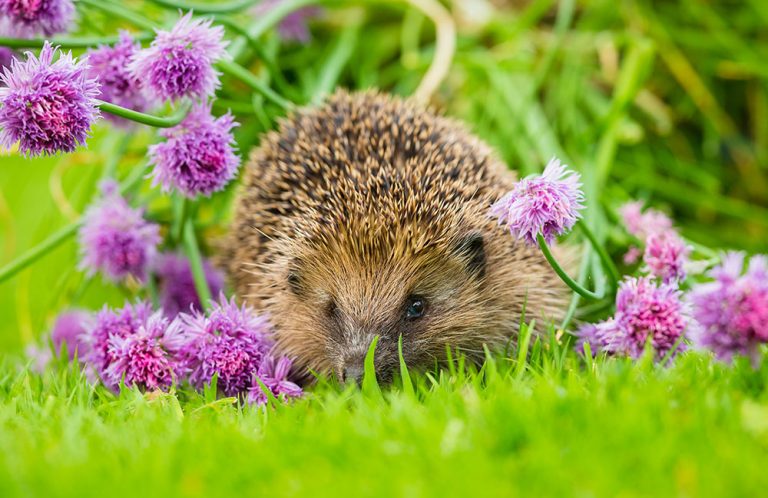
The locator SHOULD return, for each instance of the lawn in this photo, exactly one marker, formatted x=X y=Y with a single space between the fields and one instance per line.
x=549 y=427
x=665 y=102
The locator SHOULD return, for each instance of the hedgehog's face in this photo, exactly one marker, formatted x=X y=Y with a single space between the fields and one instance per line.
x=332 y=305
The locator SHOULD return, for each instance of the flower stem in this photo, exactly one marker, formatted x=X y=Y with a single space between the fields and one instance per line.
x=605 y=259
x=180 y=218
x=633 y=72
x=147 y=119
x=258 y=48
x=207 y=8
x=75 y=42
x=59 y=237
x=332 y=68
x=267 y=20
x=562 y=274
x=196 y=263
x=237 y=71
x=119 y=11
x=38 y=251
x=152 y=290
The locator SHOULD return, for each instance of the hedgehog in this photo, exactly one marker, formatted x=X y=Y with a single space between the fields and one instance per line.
x=368 y=216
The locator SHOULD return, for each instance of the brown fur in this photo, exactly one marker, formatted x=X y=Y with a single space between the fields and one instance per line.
x=352 y=207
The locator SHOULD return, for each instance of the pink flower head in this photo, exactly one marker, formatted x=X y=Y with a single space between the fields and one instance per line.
x=145 y=357
x=112 y=323
x=118 y=85
x=274 y=374
x=198 y=156
x=70 y=329
x=6 y=57
x=647 y=311
x=177 y=285
x=231 y=342
x=665 y=256
x=632 y=255
x=116 y=240
x=603 y=336
x=642 y=223
x=548 y=204
x=39 y=357
x=47 y=106
x=732 y=310
x=30 y=18
x=179 y=62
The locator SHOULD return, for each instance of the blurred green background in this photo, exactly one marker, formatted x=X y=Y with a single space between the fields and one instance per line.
x=661 y=101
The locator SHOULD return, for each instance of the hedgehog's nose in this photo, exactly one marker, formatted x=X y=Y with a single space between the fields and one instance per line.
x=352 y=374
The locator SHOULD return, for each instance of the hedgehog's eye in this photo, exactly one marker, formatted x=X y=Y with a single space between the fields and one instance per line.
x=416 y=308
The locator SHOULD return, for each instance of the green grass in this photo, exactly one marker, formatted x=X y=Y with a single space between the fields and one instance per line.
x=662 y=101
x=549 y=427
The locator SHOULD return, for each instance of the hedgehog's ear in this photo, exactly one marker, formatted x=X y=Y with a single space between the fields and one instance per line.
x=471 y=248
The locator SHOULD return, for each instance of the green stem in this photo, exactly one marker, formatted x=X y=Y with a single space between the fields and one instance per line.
x=207 y=8
x=257 y=102
x=268 y=20
x=196 y=263
x=336 y=62
x=258 y=48
x=39 y=250
x=114 y=149
x=147 y=119
x=633 y=72
x=58 y=237
x=562 y=274
x=152 y=290
x=180 y=207
x=574 y=304
x=75 y=42
x=605 y=259
x=237 y=71
x=117 y=10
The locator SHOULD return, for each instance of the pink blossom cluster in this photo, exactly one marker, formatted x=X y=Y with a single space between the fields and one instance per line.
x=135 y=346
x=666 y=253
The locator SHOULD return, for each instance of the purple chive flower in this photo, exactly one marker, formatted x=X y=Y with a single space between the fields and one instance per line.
x=112 y=323
x=665 y=255
x=548 y=204
x=294 y=26
x=47 y=106
x=6 y=57
x=179 y=63
x=39 y=356
x=603 y=336
x=647 y=311
x=198 y=156
x=116 y=240
x=632 y=255
x=70 y=329
x=118 y=85
x=732 y=310
x=274 y=374
x=144 y=358
x=177 y=286
x=641 y=223
x=29 y=18
x=231 y=343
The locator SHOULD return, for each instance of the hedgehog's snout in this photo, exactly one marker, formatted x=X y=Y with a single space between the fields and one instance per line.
x=351 y=366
